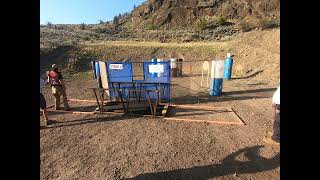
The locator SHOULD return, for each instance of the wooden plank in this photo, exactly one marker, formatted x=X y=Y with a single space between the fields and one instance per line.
x=51 y=106
x=84 y=112
x=95 y=112
x=104 y=76
x=239 y=120
x=82 y=100
x=151 y=116
x=197 y=107
x=205 y=121
x=238 y=117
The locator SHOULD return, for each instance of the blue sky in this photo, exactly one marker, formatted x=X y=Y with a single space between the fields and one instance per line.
x=83 y=11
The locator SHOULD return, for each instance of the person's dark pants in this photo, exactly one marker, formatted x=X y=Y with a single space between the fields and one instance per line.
x=276 y=124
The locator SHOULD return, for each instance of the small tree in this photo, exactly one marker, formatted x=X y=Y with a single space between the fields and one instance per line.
x=134 y=6
x=101 y=22
x=115 y=22
x=125 y=14
x=83 y=26
x=49 y=24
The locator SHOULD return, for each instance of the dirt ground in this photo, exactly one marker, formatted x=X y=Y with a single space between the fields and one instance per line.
x=123 y=147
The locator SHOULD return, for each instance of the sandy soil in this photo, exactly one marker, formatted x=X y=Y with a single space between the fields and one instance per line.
x=124 y=147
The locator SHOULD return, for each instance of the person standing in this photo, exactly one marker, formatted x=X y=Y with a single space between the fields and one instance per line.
x=275 y=135
x=43 y=103
x=58 y=87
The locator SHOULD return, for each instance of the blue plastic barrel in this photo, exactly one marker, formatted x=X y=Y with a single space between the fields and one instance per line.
x=154 y=62
x=211 y=87
x=217 y=91
x=216 y=87
x=93 y=66
x=228 y=68
x=98 y=74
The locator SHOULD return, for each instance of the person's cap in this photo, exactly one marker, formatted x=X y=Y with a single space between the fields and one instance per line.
x=53 y=66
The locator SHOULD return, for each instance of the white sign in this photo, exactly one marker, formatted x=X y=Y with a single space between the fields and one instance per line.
x=156 y=68
x=116 y=66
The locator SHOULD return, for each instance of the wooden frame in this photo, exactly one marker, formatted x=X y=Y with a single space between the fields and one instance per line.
x=164 y=112
x=84 y=112
x=238 y=122
x=98 y=112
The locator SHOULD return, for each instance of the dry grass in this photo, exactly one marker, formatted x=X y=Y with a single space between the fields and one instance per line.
x=159 y=44
x=254 y=51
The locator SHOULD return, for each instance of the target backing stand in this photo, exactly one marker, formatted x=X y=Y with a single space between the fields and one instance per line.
x=120 y=92
x=165 y=111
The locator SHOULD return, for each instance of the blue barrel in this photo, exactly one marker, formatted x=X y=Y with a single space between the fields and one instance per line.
x=211 y=87
x=154 y=62
x=228 y=68
x=216 y=86
x=217 y=90
x=93 y=66
x=98 y=74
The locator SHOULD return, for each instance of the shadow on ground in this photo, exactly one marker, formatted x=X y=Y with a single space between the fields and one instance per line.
x=228 y=166
x=56 y=124
x=250 y=91
x=250 y=76
x=204 y=97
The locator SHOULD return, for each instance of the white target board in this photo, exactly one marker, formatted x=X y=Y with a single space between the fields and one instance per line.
x=156 y=68
x=116 y=66
x=217 y=69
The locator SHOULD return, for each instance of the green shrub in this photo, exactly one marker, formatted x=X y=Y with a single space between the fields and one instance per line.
x=83 y=26
x=267 y=23
x=49 y=24
x=201 y=24
x=221 y=20
x=245 y=26
x=154 y=52
x=115 y=22
x=150 y=27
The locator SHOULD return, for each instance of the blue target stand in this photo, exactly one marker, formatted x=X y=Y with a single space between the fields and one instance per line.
x=143 y=97
x=228 y=67
x=216 y=82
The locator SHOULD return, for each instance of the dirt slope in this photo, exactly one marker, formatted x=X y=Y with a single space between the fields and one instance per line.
x=256 y=53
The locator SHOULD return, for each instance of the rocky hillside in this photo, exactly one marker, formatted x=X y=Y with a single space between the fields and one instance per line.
x=171 y=21
x=183 y=13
